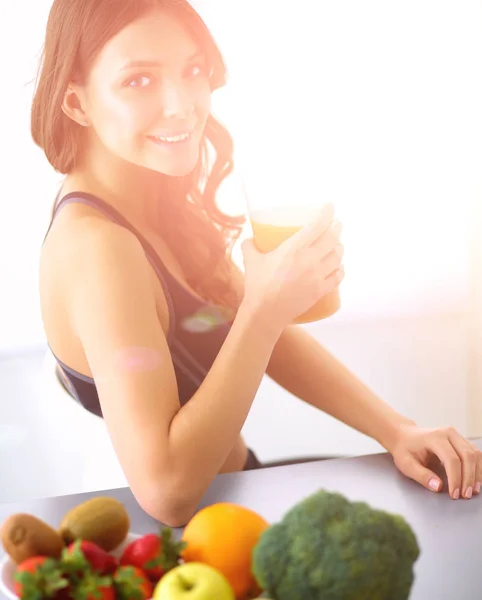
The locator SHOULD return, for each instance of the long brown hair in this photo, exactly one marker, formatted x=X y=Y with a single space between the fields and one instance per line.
x=198 y=233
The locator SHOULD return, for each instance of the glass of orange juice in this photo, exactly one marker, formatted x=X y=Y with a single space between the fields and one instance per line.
x=276 y=211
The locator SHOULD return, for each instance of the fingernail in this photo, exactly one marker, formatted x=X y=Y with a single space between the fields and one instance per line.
x=477 y=487
x=456 y=494
x=434 y=484
x=468 y=492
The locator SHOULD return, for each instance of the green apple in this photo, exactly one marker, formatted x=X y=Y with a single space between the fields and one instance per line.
x=193 y=581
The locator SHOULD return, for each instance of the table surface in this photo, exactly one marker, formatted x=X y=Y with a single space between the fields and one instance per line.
x=450 y=563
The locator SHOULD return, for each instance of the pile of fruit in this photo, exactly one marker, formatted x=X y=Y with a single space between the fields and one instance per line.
x=91 y=557
x=325 y=546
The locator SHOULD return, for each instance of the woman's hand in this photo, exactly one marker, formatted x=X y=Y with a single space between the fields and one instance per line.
x=287 y=281
x=415 y=450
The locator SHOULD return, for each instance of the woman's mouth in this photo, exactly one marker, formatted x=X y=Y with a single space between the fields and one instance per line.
x=172 y=141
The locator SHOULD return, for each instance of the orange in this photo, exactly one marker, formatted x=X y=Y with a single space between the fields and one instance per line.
x=223 y=536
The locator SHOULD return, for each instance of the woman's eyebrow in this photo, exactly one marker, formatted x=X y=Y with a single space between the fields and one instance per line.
x=154 y=63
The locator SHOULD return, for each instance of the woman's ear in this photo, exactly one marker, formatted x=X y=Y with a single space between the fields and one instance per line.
x=72 y=105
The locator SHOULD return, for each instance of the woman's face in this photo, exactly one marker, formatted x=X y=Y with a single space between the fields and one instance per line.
x=148 y=97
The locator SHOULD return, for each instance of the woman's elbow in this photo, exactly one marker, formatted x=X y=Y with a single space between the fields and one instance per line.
x=168 y=506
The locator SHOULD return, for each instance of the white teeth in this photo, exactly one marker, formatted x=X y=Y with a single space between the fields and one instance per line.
x=176 y=138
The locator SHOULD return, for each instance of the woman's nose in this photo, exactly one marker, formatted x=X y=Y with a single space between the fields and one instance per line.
x=176 y=101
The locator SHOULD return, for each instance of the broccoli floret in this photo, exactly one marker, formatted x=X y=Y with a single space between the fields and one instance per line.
x=328 y=548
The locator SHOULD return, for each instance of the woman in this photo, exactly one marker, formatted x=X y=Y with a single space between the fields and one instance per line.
x=152 y=326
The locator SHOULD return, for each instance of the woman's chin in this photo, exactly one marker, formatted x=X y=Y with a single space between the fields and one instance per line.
x=177 y=168
x=179 y=171
x=175 y=160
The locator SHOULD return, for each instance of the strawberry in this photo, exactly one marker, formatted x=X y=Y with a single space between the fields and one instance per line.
x=93 y=586
x=39 y=577
x=82 y=555
x=131 y=583
x=154 y=554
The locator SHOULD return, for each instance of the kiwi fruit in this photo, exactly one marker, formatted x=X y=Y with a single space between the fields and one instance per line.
x=24 y=536
x=102 y=520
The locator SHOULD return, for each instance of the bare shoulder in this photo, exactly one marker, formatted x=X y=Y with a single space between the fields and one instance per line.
x=83 y=246
x=89 y=266
x=77 y=231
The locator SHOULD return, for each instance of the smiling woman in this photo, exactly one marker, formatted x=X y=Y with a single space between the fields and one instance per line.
x=152 y=326
x=121 y=86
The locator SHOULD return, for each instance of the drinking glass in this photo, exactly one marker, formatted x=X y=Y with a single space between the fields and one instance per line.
x=279 y=203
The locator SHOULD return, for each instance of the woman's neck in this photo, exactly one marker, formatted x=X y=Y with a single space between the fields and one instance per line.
x=131 y=189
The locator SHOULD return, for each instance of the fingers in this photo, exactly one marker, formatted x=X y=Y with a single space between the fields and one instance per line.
x=447 y=455
x=470 y=457
x=478 y=470
x=461 y=460
x=331 y=282
x=328 y=242
x=333 y=261
x=478 y=474
x=309 y=234
x=326 y=252
x=411 y=467
x=326 y=267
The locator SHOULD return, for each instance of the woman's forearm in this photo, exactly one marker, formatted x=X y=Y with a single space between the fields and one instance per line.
x=307 y=370
x=204 y=430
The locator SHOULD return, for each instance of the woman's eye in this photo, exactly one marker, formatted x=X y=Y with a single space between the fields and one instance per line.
x=141 y=81
x=195 y=71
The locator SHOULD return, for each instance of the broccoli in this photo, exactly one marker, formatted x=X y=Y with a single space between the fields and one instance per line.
x=328 y=548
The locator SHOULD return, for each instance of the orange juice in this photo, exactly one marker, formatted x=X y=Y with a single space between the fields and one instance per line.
x=271 y=227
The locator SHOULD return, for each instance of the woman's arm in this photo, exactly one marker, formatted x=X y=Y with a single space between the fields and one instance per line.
x=306 y=369
x=169 y=454
x=303 y=367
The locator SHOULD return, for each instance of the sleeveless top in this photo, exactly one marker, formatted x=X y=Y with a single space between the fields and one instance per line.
x=197 y=328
